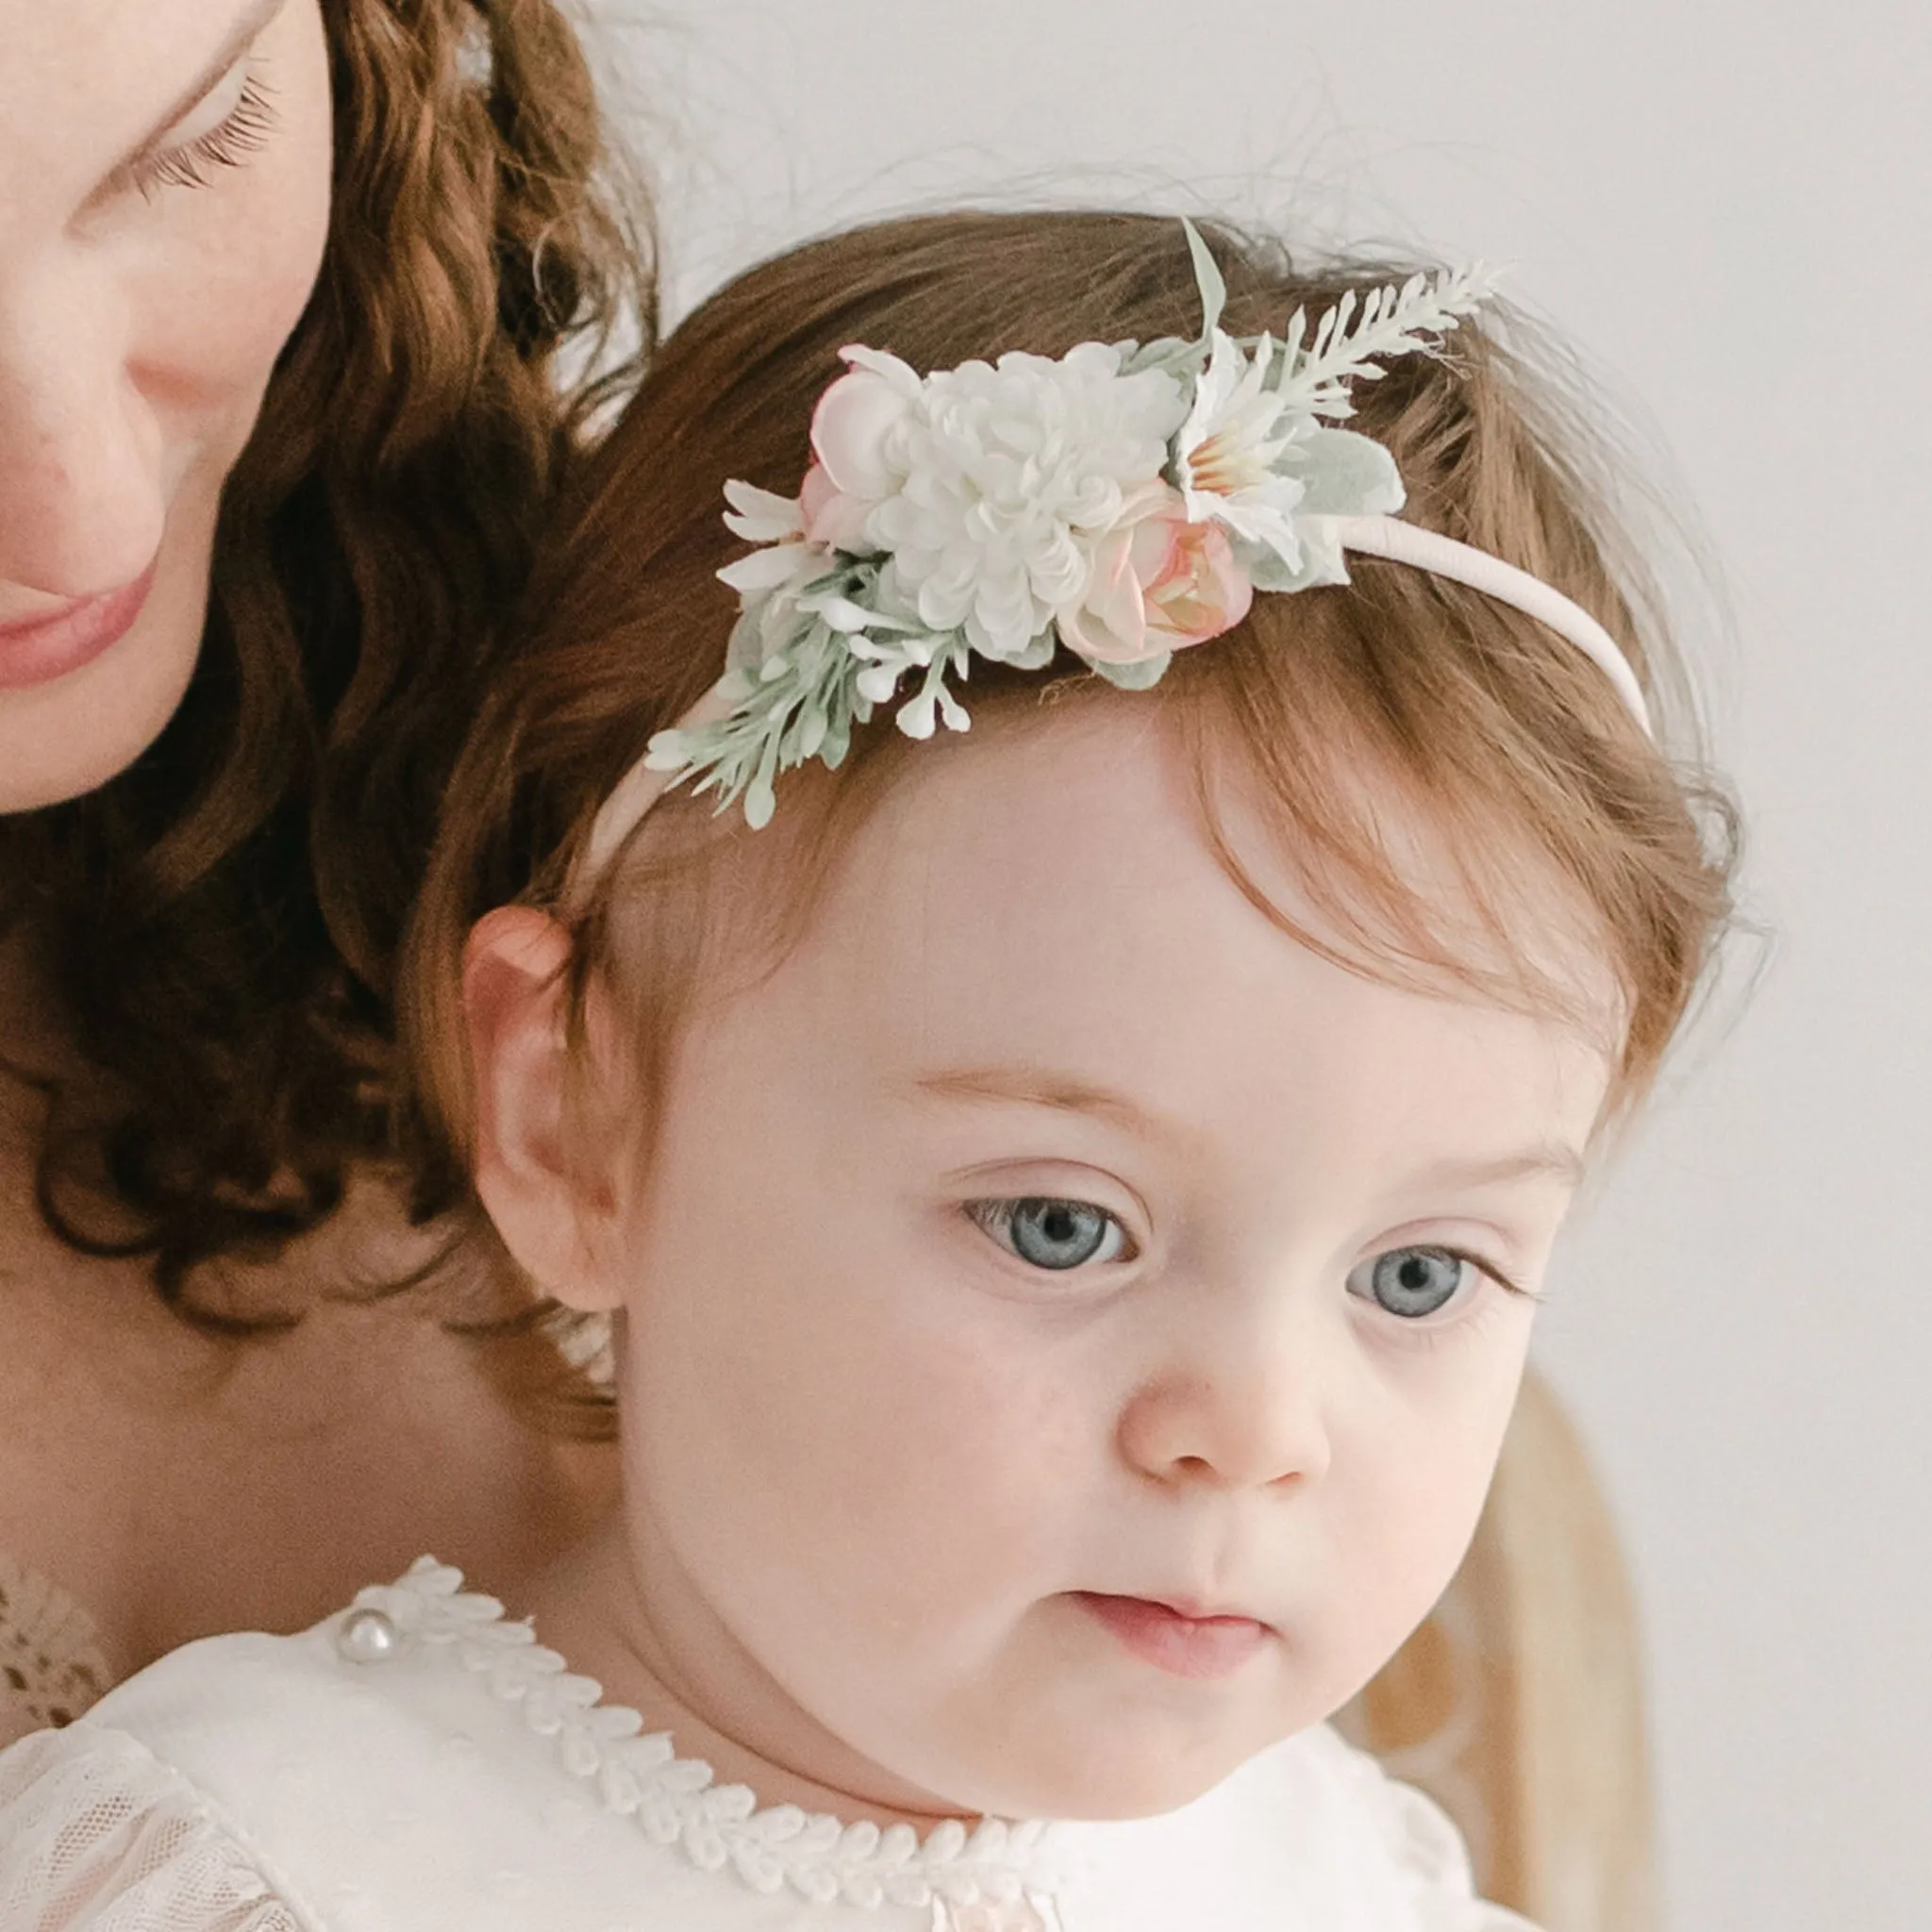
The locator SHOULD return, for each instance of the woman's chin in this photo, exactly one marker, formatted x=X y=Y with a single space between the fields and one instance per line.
x=70 y=734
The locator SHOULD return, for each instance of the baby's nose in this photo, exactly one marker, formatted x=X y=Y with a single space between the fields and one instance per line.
x=1246 y=1408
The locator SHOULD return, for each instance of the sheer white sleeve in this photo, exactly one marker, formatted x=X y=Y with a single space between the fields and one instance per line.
x=1430 y=1853
x=96 y=1834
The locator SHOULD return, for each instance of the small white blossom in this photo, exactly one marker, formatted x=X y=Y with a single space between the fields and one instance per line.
x=770 y=582
x=759 y=516
x=1226 y=454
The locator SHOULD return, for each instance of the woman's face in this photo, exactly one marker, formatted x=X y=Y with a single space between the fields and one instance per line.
x=165 y=193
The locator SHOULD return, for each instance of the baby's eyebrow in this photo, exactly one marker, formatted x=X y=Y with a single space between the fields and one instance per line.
x=1546 y=1160
x=1041 y=1087
x=1033 y=1086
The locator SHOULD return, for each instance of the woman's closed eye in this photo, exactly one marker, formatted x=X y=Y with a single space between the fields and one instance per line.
x=1049 y=1233
x=1416 y=1283
x=243 y=132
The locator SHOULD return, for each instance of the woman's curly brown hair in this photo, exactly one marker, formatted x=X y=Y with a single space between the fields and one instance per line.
x=219 y=922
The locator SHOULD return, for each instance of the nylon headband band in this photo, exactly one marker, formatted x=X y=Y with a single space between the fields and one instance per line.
x=1443 y=557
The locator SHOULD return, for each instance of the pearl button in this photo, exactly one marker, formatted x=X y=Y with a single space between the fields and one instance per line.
x=367 y=1637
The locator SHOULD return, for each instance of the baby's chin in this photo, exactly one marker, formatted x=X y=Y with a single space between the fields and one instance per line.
x=1123 y=1790
x=1116 y=1775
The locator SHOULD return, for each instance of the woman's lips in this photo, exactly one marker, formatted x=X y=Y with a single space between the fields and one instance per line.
x=1189 y=1646
x=42 y=649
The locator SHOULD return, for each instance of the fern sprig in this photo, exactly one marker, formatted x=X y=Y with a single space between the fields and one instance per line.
x=1359 y=332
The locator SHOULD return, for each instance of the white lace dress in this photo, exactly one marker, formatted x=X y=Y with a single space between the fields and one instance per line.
x=51 y=1666
x=419 y=1762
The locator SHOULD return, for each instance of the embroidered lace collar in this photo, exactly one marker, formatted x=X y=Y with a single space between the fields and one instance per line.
x=993 y=1874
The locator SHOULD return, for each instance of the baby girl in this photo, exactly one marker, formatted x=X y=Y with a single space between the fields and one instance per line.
x=1071 y=1195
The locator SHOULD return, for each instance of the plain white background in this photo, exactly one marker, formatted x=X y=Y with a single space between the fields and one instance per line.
x=1727 y=203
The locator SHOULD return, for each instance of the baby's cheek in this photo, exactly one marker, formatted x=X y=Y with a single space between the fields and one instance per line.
x=1416 y=1515
x=974 y=1471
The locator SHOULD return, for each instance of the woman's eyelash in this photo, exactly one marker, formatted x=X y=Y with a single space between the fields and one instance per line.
x=245 y=132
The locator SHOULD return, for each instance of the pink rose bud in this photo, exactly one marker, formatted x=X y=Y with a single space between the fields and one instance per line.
x=850 y=428
x=1158 y=584
x=1193 y=586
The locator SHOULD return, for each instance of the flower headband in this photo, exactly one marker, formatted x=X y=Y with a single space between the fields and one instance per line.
x=1121 y=503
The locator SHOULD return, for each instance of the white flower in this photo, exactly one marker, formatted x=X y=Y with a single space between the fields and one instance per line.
x=1225 y=457
x=988 y=486
x=759 y=517
x=770 y=579
x=1255 y=457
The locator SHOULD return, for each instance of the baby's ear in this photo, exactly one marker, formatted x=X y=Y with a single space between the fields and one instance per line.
x=552 y=1189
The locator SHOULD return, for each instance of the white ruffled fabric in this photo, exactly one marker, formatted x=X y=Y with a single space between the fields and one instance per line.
x=107 y=1840
x=1430 y=1853
x=468 y=1780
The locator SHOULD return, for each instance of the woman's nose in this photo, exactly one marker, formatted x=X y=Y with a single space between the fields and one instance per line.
x=1243 y=1402
x=82 y=490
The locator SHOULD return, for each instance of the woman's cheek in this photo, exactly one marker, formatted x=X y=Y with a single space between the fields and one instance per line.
x=225 y=289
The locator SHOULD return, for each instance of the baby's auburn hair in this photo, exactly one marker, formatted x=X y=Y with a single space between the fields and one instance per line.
x=1503 y=740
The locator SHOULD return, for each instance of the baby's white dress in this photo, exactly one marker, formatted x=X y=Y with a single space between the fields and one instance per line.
x=419 y=1762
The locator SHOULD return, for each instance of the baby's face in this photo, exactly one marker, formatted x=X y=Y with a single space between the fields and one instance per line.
x=1068 y=1342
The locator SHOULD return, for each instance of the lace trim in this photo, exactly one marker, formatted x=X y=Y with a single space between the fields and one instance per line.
x=676 y=1801
x=51 y=1665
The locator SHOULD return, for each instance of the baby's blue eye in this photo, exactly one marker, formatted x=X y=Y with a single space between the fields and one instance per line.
x=1047 y=1233
x=1412 y=1282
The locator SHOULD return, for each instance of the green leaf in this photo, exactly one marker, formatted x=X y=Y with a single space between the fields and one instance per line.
x=1208 y=279
x=1143 y=675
